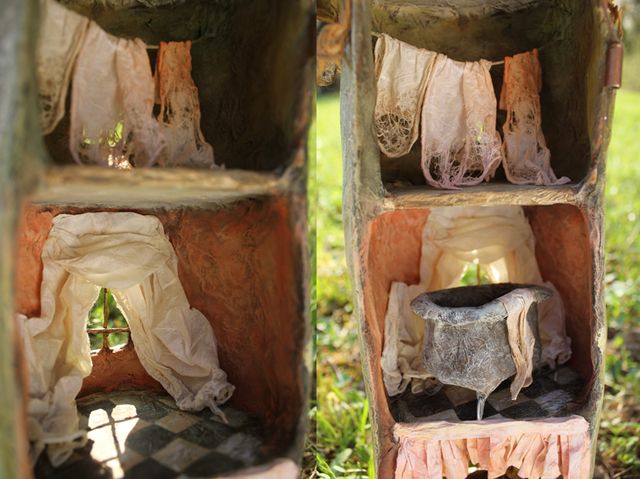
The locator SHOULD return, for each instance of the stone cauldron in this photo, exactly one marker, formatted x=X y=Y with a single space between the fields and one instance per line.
x=466 y=342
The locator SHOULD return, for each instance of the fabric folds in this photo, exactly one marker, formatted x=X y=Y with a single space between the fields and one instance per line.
x=129 y=254
x=180 y=108
x=62 y=32
x=460 y=144
x=522 y=339
x=540 y=449
x=402 y=72
x=112 y=100
x=527 y=159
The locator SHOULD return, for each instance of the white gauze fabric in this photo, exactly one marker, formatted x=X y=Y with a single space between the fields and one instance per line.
x=60 y=38
x=112 y=100
x=460 y=144
x=129 y=254
x=501 y=241
x=402 y=71
x=527 y=159
x=180 y=108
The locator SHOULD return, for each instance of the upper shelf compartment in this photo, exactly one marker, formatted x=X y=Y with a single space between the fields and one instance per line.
x=572 y=56
x=249 y=63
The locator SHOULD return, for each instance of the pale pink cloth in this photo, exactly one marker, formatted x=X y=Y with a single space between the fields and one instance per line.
x=543 y=449
x=522 y=339
x=527 y=160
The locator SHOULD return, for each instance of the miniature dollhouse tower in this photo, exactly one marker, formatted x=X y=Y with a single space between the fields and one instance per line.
x=238 y=232
x=387 y=202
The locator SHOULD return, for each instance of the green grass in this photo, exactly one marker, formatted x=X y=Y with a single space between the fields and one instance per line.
x=342 y=443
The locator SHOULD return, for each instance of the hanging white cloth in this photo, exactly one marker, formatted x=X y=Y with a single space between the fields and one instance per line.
x=527 y=159
x=180 y=108
x=402 y=71
x=460 y=144
x=129 y=254
x=497 y=238
x=61 y=35
x=112 y=100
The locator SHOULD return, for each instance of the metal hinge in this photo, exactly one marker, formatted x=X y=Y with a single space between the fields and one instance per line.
x=613 y=73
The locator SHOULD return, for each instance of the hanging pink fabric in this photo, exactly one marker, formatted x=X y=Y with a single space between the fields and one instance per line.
x=180 y=108
x=541 y=449
x=527 y=159
x=460 y=144
x=521 y=337
x=112 y=100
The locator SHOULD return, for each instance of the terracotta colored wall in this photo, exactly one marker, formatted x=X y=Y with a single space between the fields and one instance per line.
x=236 y=266
x=392 y=253
x=563 y=251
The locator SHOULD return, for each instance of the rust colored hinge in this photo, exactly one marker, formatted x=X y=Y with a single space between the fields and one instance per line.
x=613 y=74
x=330 y=46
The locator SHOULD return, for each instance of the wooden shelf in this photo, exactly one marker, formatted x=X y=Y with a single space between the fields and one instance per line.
x=152 y=187
x=487 y=194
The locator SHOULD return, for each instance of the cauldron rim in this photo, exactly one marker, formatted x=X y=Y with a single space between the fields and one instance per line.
x=488 y=300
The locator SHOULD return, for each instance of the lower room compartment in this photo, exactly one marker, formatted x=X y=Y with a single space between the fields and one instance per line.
x=427 y=430
x=238 y=265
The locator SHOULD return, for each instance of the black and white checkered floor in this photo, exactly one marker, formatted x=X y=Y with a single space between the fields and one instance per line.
x=143 y=435
x=552 y=394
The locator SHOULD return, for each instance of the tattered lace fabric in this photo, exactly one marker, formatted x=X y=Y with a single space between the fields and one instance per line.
x=460 y=144
x=402 y=71
x=180 y=108
x=527 y=158
x=60 y=38
x=541 y=449
x=112 y=100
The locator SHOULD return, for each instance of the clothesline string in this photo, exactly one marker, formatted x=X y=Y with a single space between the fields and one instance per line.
x=499 y=62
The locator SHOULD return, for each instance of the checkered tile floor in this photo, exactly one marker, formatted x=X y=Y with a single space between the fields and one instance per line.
x=143 y=435
x=552 y=393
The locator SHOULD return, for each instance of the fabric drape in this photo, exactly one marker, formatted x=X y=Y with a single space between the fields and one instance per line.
x=112 y=100
x=501 y=241
x=522 y=339
x=129 y=254
x=527 y=159
x=460 y=144
x=180 y=108
x=540 y=449
x=402 y=72
x=62 y=32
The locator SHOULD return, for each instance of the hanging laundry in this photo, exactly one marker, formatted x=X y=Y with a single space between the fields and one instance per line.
x=460 y=144
x=402 y=71
x=112 y=100
x=180 y=108
x=60 y=38
x=526 y=156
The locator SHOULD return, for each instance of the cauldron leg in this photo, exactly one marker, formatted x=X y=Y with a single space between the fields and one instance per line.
x=481 y=399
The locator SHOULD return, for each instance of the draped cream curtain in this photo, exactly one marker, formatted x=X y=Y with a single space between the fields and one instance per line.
x=129 y=254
